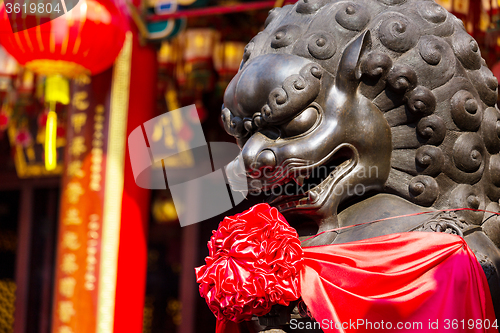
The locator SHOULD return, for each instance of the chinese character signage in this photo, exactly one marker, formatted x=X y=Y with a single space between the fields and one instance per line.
x=79 y=244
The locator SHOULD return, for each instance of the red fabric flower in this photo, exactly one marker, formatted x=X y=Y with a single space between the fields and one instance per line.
x=254 y=262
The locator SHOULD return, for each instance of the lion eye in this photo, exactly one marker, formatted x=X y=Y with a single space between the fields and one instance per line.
x=301 y=123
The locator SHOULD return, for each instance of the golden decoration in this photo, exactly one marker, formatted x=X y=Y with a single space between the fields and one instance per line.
x=114 y=188
x=53 y=67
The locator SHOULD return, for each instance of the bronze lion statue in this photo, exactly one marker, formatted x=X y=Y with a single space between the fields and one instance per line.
x=348 y=112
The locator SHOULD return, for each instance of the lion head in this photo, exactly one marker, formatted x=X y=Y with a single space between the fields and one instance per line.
x=387 y=95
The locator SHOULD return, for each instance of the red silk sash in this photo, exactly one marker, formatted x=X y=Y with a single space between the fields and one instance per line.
x=414 y=282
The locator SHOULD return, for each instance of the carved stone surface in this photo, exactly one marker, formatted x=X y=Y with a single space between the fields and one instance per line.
x=487 y=265
x=444 y=222
x=369 y=104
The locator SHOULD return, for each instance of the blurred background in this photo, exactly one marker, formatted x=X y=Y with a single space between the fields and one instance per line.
x=82 y=248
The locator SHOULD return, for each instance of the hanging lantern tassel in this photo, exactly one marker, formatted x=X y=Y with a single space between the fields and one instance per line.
x=56 y=91
x=50 y=141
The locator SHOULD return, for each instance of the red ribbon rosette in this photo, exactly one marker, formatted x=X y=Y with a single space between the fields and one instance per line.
x=254 y=263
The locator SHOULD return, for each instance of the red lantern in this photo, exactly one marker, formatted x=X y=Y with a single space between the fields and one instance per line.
x=84 y=41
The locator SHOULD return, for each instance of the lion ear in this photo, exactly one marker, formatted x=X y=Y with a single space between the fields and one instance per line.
x=349 y=74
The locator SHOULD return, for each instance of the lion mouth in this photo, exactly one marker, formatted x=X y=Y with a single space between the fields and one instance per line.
x=308 y=188
x=313 y=190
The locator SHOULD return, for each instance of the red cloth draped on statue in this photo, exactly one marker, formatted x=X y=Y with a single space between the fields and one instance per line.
x=402 y=279
x=406 y=278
